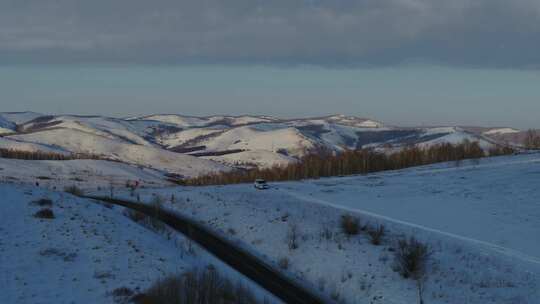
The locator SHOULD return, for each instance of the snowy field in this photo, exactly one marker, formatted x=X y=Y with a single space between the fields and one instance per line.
x=85 y=253
x=496 y=201
x=480 y=219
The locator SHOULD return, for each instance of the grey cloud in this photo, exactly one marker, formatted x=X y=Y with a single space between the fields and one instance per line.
x=463 y=32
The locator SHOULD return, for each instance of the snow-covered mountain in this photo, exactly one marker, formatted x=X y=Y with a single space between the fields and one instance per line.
x=189 y=146
x=6 y=126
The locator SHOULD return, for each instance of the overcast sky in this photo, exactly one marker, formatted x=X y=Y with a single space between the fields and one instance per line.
x=324 y=41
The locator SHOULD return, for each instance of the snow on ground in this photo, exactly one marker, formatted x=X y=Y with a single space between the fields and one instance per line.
x=257 y=158
x=354 y=121
x=82 y=142
x=479 y=219
x=179 y=138
x=501 y=131
x=80 y=256
x=5 y=131
x=496 y=200
x=456 y=136
x=86 y=252
x=248 y=138
x=6 y=126
x=81 y=173
x=18 y=145
x=101 y=126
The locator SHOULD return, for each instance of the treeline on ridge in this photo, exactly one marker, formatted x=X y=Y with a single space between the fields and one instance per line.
x=324 y=164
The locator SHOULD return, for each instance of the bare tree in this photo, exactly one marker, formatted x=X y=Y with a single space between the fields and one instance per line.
x=531 y=141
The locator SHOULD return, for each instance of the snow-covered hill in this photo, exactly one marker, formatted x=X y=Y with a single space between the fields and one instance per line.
x=20 y=145
x=77 y=141
x=85 y=174
x=88 y=252
x=81 y=256
x=166 y=141
x=6 y=126
x=192 y=121
x=499 y=131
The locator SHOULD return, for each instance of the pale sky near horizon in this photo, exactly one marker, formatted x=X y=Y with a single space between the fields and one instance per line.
x=404 y=62
x=421 y=95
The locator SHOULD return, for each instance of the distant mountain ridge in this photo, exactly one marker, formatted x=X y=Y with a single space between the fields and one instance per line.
x=191 y=145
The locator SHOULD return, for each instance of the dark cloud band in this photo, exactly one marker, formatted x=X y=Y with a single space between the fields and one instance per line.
x=365 y=32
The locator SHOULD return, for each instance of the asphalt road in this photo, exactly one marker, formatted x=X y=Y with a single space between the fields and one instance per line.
x=241 y=260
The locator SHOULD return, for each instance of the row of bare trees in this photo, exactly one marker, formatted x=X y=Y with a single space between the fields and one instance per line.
x=532 y=140
x=352 y=162
x=41 y=155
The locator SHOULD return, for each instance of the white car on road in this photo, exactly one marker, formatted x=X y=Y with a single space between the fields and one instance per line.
x=261 y=184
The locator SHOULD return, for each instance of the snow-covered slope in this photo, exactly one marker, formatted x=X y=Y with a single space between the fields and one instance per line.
x=500 y=131
x=255 y=158
x=453 y=135
x=88 y=253
x=252 y=138
x=82 y=142
x=352 y=121
x=81 y=256
x=85 y=174
x=111 y=128
x=18 y=145
x=184 y=137
x=6 y=126
x=192 y=121
x=480 y=220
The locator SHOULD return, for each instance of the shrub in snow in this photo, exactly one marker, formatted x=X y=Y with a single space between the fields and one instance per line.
x=376 y=234
x=147 y=221
x=157 y=203
x=350 y=225
x=45 y=213
x=411 y=258
x=101 y=275
x=195 y=286
x=335 y=294
x=321 y=283
x=292 y=237
x=135 y=216
x=43 y=202
x=326 y=233
x=283 y=263
x=74 y=190
x=122 y=295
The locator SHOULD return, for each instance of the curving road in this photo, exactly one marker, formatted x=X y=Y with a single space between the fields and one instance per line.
x=241 y=260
